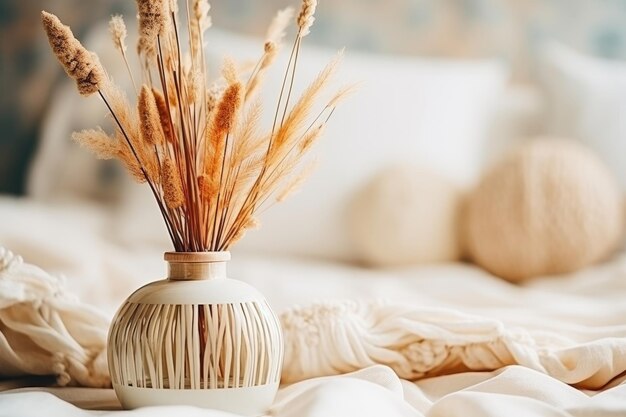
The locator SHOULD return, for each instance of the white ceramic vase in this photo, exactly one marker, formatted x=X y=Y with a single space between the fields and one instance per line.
x=196 y=338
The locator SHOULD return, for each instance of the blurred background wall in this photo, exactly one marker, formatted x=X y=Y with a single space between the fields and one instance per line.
x=508 y=29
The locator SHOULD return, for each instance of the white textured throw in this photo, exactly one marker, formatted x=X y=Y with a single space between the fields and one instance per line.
x=334 y=338
x=44 y=330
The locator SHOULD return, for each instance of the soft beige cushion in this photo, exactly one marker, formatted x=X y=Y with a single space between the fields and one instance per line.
x=406 y=215
x=550 y=208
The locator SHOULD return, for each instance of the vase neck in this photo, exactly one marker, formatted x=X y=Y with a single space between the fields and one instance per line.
x=187 y=266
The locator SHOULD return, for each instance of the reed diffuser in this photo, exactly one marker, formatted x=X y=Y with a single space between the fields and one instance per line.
x=198 y=337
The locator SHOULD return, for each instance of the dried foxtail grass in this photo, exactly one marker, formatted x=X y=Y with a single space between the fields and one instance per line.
x=172 y=185
x=153 y=18
x=149 y=117
x=197 y=142
x=164 y=115
x=227 y=109
x=79 y=63
x=277 y=29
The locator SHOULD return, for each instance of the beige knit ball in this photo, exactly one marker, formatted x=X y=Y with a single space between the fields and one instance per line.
x=406 y=215
x=550 y=208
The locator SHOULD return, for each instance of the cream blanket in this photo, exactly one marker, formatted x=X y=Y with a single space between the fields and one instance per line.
x=46 y=331
x=435 y=321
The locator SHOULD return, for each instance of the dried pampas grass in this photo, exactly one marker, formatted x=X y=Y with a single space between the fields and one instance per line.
x=296 y=183
x=277 y=29
x=296 y=117
x=98 y=142
x=198 y=143
x=306 y=17
x=117 y=28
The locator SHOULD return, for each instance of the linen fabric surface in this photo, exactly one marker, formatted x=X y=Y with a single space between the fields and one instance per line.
x=375 y=391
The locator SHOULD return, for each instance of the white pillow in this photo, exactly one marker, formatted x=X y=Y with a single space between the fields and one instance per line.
x=64 y=239
x=586 y=100
x=434 y=111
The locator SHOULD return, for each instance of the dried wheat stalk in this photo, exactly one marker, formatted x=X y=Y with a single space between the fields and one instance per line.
x=196 y=142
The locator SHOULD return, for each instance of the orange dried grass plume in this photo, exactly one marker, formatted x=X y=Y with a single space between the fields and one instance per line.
x=227 y=109
x=149 y=118
x=172 y=185
x=164 y=115
x=222 y=122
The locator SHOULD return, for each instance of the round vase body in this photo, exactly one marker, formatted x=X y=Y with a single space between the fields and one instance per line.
x=196 y=338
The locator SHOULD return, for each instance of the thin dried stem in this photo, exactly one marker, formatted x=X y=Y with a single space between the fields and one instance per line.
x=146 y=176
x=117 y=28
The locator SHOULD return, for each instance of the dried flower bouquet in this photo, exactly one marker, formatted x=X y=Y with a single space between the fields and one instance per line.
x=198 y=144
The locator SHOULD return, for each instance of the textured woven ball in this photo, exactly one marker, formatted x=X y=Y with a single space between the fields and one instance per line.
x=550 y=208
x=406 y=215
